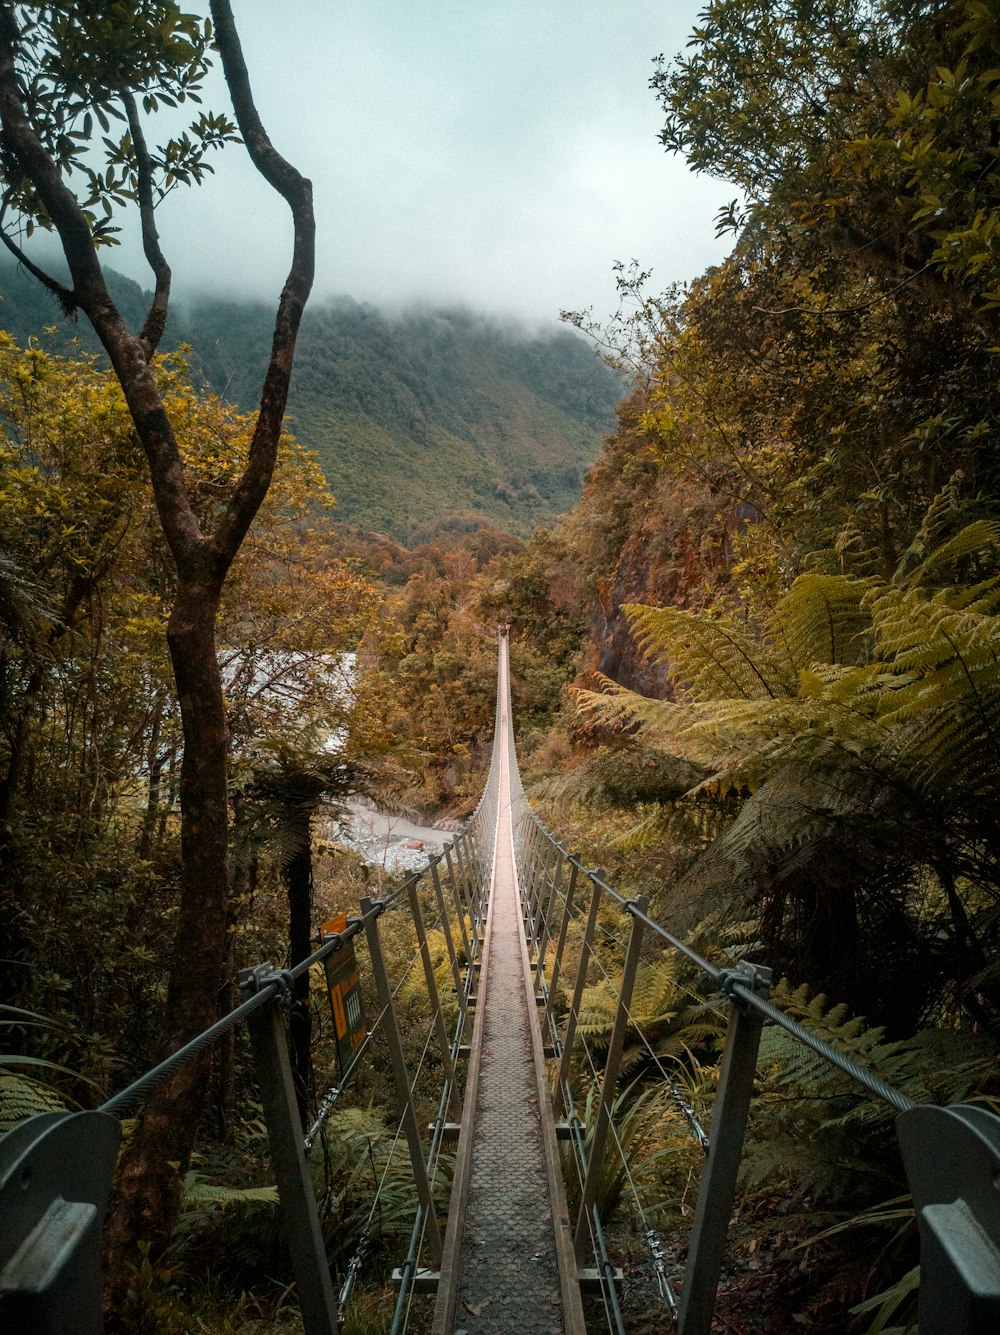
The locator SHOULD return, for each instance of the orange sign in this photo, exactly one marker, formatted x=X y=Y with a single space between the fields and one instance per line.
x=344 y=985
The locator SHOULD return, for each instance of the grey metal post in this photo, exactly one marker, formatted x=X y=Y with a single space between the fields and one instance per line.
x=538 y=867
x=718 y=1184
x=55 y=1180
x=463 y=877
x=432 y=991
x=284 y=1134
x=541 y=890
x=456 y=972
x=566 y=1061
x=952 y=1161
x=477 y=863
x=401 y=1077
x=574 y=872
x=480 y=845
x=532 y=851
x=470 y=859
x=595 y=1161
x=543 y=940
x=457 y=896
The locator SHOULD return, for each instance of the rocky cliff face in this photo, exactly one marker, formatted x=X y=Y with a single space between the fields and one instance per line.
x=646 y=536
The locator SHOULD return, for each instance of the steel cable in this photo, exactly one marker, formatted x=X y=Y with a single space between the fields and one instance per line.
x=722 y=978
x=688 y=1113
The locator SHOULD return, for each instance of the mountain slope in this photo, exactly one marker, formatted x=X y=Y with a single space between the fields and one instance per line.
x=420 y=421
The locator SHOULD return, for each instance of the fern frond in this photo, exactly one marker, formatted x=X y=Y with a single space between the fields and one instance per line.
x=198 y=1191
x=712 y=657
x=21 y=1097
x=822 y=620
x=983 y=535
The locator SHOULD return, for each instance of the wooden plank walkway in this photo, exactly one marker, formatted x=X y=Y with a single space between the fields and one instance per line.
x=508 y=1254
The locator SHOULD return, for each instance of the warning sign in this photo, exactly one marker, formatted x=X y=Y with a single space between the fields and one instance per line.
x=344 y=986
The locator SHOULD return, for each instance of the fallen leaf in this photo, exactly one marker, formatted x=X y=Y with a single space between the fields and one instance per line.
x=473 y=1308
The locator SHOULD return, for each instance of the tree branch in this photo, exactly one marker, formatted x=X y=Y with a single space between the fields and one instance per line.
x=21 y=142
x=66 y=298
x=156 y=319
x=845 y=310
x=296 y=190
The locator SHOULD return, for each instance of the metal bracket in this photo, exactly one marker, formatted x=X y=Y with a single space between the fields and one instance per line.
x=260 y=976
x=754 y=977
x=55 y=1180
x=952 y=1161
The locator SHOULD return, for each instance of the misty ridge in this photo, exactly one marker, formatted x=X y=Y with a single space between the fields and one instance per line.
x=420 y=418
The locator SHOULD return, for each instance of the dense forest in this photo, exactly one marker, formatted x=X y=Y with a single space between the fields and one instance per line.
x=755 y=666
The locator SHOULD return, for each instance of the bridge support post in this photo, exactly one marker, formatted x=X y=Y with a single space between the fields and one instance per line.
x=549 y=859
x=574 y=871
x=432 y=991
x=595 y=1161
x=529 y=882
x=480 y=862
x=465 y=890
x=456 y=972
x=456 y=894
x=317 y=1302
x=369 y=911
x=952 y=1161
x=569 y=1038
x=718 y=1183
x=545 y=933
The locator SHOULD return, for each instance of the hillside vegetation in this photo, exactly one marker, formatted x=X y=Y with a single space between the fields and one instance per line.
x=420 y=421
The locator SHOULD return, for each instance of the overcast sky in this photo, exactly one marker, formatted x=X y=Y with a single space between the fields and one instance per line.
x=499 y=153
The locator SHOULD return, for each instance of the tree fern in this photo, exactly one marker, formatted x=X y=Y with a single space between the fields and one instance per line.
x=852 y=743
x=710 y=656
x=822 y=620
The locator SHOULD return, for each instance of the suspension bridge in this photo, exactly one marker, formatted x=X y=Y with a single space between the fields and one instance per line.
x=510 y=1174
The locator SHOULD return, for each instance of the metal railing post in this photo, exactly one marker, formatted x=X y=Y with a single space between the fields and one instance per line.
x=55 y=1180
x=540 y=887
x=431 y=981
x=370 y=911
x=477 y=861
x=595 y=1161
x=456 y=972
x=539 y=866
x=566 y=1061
x=543 y=939
x=574 y=871
x=284 y=1134
x=525 y=855
x=952 y=1161
x=465 y=888
x=718 y=1184
x=456 y=894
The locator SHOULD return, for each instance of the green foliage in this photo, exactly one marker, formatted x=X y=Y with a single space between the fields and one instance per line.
x=21 y=1098
x=662 y=1023
x=649 y=1153
x=80 y=65
x=873 y=758
x=459 y=419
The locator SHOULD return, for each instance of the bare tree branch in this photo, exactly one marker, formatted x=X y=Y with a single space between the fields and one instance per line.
x=296 y=190
x=65 y=297
x=156 y=319
x=20 y=140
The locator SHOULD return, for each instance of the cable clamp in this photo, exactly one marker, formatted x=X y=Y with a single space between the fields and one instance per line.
x=753 y=977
